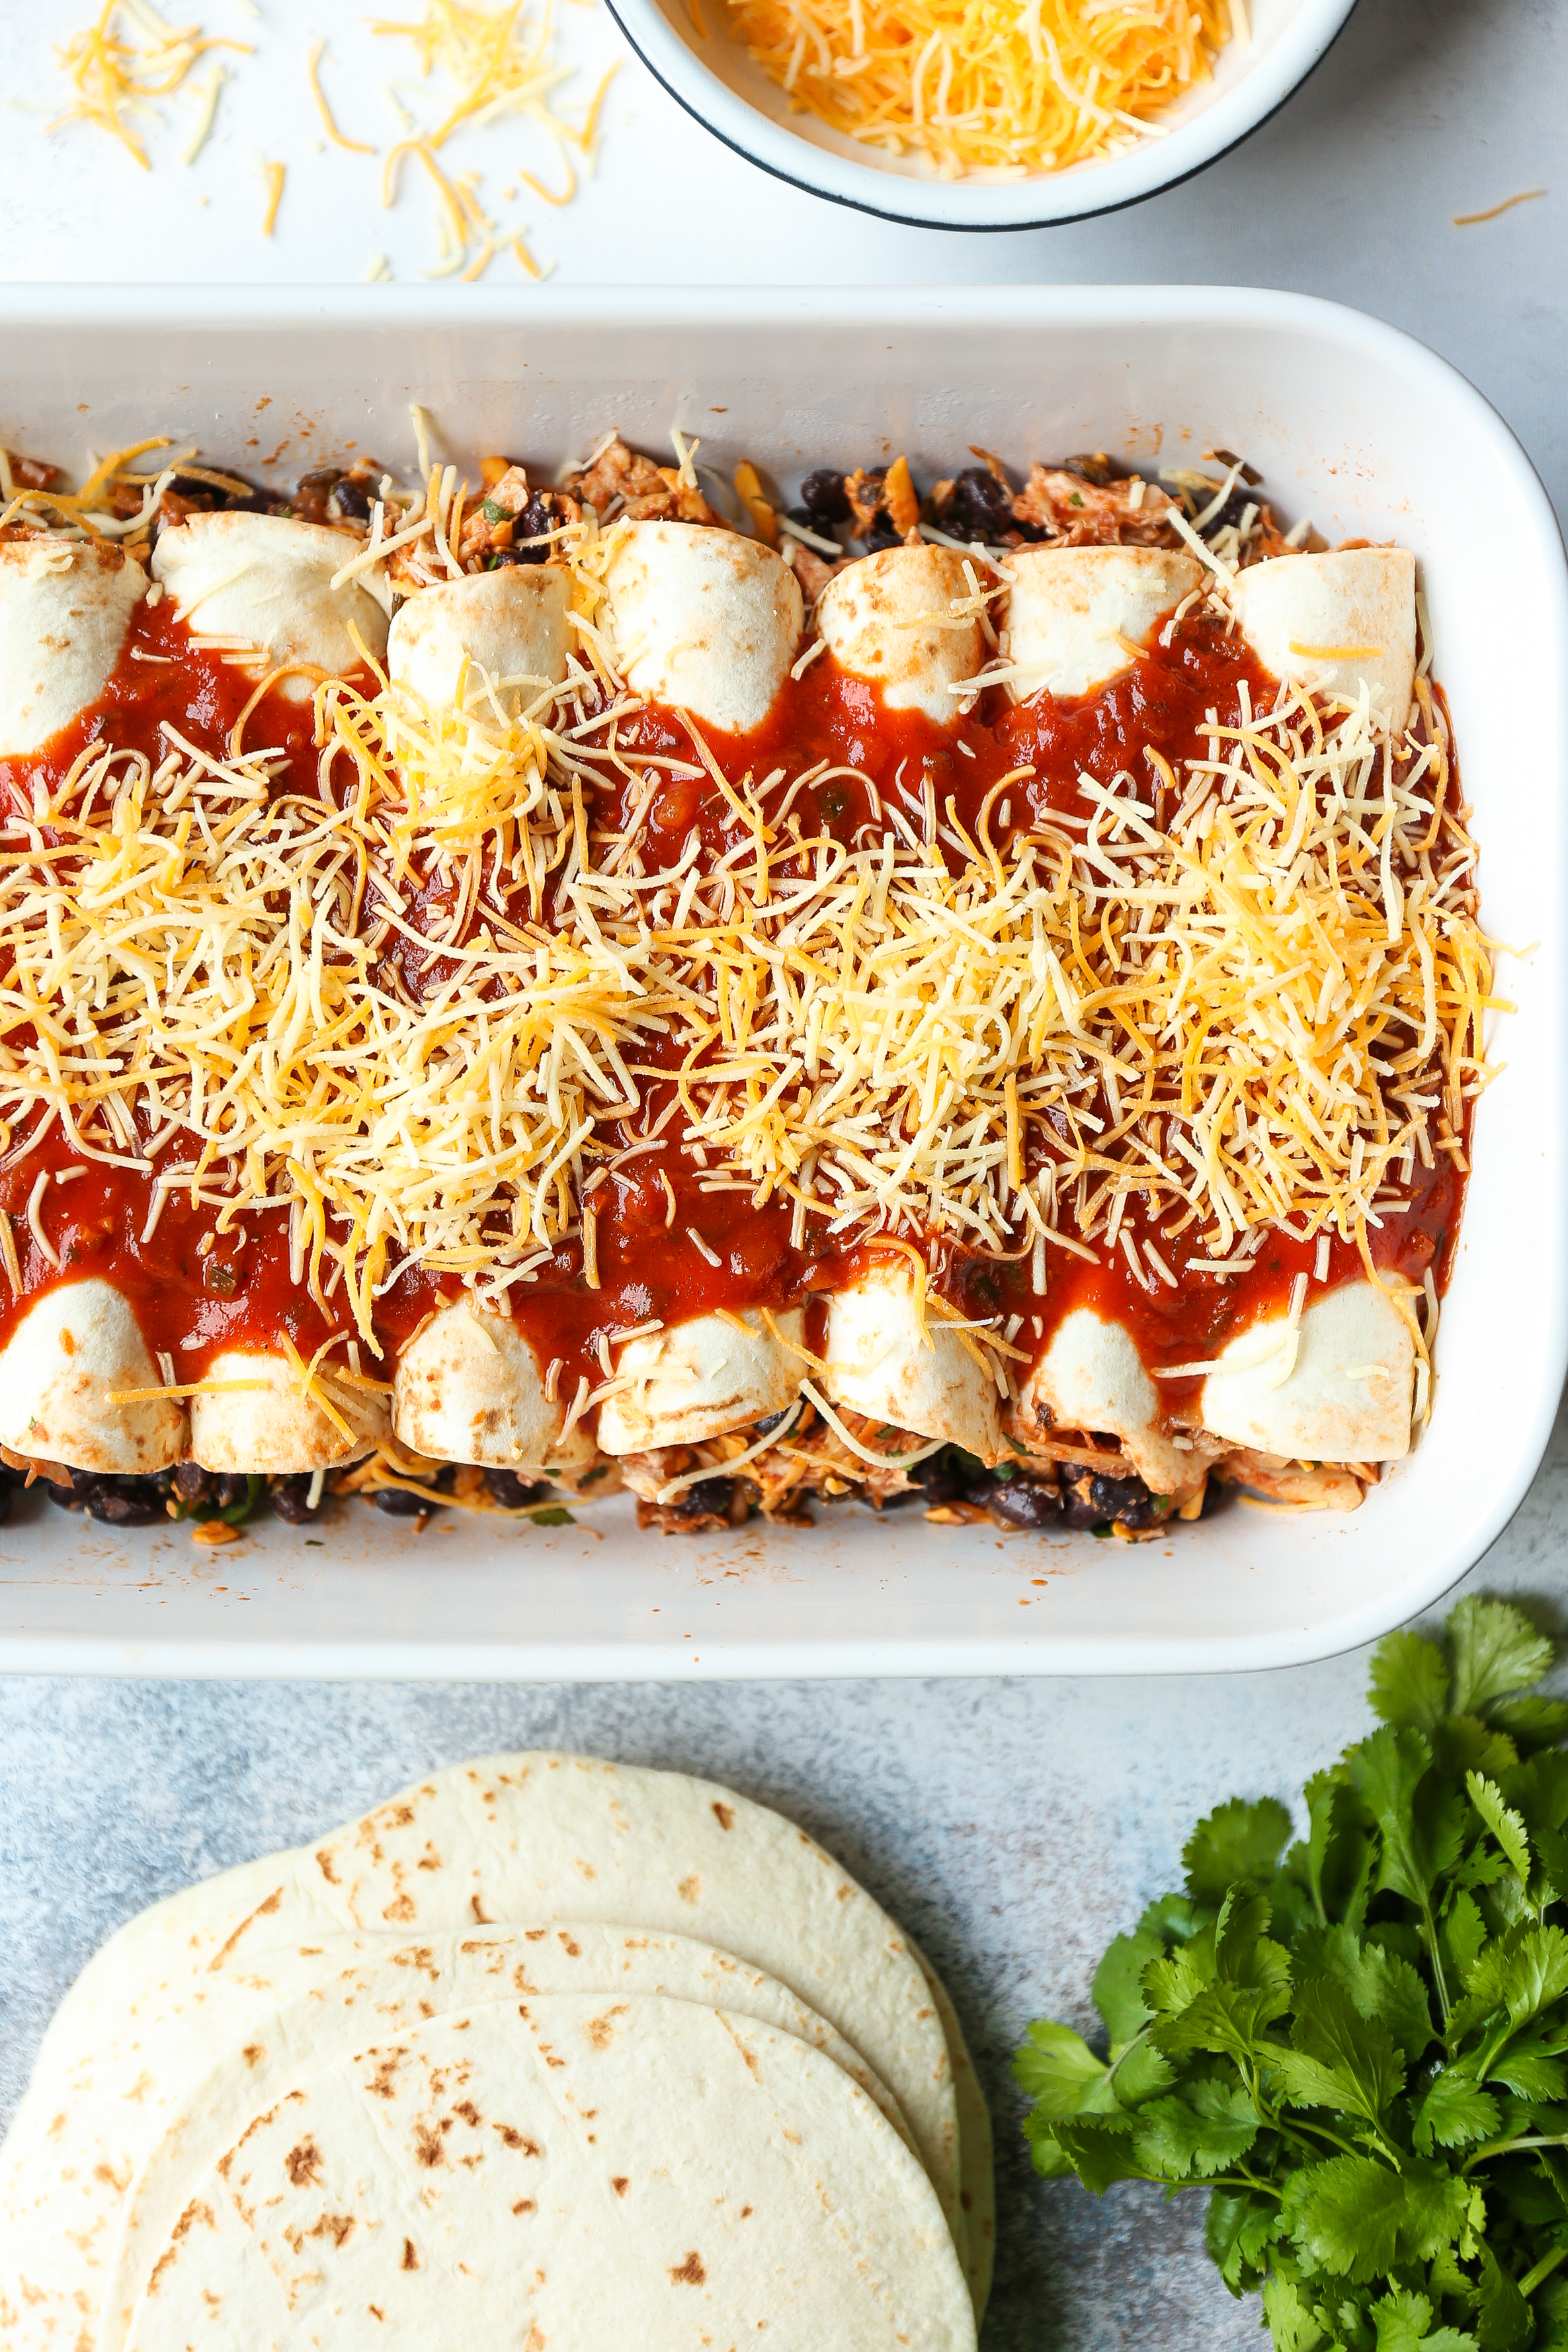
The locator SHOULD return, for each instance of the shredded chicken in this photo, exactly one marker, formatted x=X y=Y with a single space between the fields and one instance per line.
x=1306 y=1485
x=648 y=493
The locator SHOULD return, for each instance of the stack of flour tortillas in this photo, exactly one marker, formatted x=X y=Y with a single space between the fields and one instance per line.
x=546 y=2055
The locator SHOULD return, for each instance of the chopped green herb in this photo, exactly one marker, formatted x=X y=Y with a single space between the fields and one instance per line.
x=493 y=513
x=1357 y=2042
x=554 y=1515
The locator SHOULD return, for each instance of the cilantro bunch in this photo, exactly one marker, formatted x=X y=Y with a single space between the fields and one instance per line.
x=1358 y=2043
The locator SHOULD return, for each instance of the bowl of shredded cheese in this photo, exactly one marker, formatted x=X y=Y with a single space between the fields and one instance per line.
x=981 y=114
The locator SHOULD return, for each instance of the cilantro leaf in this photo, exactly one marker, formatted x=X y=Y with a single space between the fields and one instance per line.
x=1236 y=2232
x=1236 y=1840
x=1409 y=1683
x=1117 y=1989
x=1382 y=1986
x=1404 y=2323
x=1060 y=2073
x=1494 y=1651
x=1356 y=2219
x=1455 y=2112
x=1337 y=2058
x=1292 y=2322
x=1100 y=2150
x=1505 y=1825
x=1188 y=2138
x=1503 y=2314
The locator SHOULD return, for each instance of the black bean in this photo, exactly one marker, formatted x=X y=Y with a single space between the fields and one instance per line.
x=290 y=1499
x=65 y=1496
x=939 y=1478
x=192 y=1483
x=322 y=477
x=709 y=1498
x=980 y=504
x=1024 y=1503
x=883 y=531
x=768 y=1421
x=1094 y=467
x=512 y=1492
x=1093 y=1500
x=824 y=498
x=128 y=1503
x=398 y=1504
x=350 y=501
x=230 y=1489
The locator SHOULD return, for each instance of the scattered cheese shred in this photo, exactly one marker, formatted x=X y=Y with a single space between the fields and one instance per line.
x=987 y=88
x=273 y=176
x=313 y=68
x=121 y=64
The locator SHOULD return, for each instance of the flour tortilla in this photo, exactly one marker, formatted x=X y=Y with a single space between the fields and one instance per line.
x=888 y=618
x=517 y=1837
x=268 y=581
x=77 y=1347
x=509 y=627
x=271 y=1427
x=1336 y=623
x=566 y=2173
x=880 y=1363
x=978 y=2183
x=1348 y=1397
x=1092 y=1377
x=701 y=619
x=1079 y=616
x=701 y=1379
x=389 y=1988
x=469 y=1388
x=542 y=1834
x=65 y=610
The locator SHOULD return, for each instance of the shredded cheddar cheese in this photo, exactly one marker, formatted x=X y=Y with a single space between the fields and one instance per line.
x=989 y=89
x=127 y=60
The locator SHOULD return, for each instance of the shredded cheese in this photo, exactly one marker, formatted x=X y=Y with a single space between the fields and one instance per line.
x=988 y=89
x=129 y=57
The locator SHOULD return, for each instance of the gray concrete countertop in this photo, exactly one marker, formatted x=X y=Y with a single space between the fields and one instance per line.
x=1016 y=1825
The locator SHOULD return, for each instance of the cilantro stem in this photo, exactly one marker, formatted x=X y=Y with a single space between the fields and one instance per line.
x=1507 y=2147
x=1544 y=2270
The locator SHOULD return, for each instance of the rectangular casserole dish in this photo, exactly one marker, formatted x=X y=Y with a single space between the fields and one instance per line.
x=1349 y=423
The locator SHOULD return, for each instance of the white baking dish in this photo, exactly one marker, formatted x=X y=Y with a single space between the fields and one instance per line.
x=1350 y=423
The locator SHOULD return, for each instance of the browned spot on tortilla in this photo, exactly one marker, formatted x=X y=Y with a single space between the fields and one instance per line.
x=261 y=1912
x=620 y=2182
x=302 y=2164
x=746 y=2212
x=512 y=2137
x=338 y=2227
x=723 y=1815
x=480 y=1912
x=524 y=2205
x=380 y=2086
x=401 y=1910
x=536 y=2341
x=427 y=2145
x=324 y=1865
x=469 y=2113
x=691 y=2272
x=254 y=2053
x=690 y=1888
x=410 y=2258
x=574 y=1951
x=196 y=2211
x=534 y=1934
x=601 y=2031
x=376 y=2313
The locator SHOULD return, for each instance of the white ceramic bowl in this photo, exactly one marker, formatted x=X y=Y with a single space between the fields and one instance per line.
x=719 y=85
x=1350 y=423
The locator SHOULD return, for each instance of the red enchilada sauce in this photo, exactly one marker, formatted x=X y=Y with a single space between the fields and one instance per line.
x=196 y=1293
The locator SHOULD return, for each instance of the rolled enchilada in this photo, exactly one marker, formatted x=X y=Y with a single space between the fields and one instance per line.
x=886 y=939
